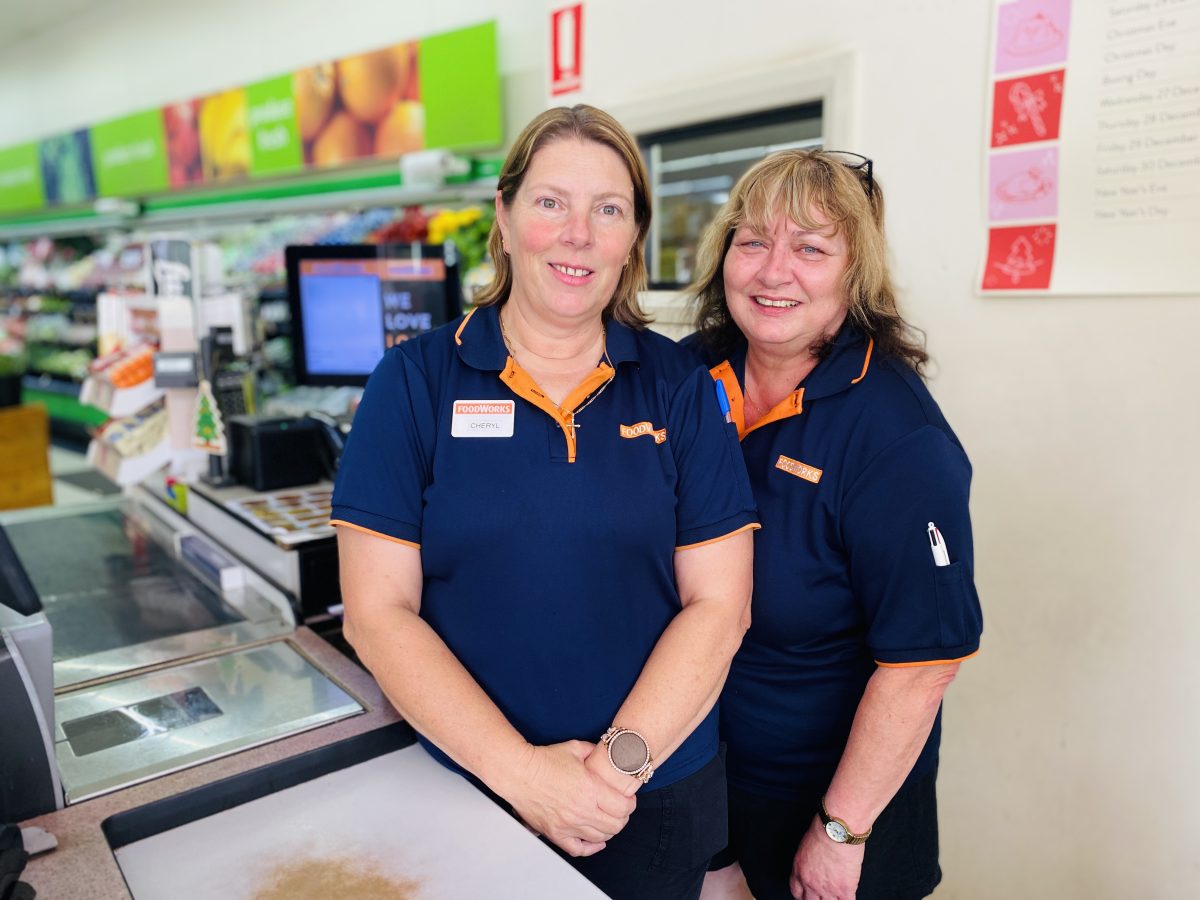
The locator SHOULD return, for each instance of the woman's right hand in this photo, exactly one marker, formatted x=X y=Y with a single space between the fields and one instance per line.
x=559 y=798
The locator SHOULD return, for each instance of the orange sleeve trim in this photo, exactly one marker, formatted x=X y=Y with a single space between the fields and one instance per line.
x=927 y=662
x=387 y=537
x=866 y=362
x=458 y=334
x=753 y=526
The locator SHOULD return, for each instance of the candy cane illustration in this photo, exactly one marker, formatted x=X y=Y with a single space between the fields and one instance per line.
x=1028 y=105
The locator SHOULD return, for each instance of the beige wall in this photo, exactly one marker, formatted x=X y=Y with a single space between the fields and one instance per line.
x=1069 y=766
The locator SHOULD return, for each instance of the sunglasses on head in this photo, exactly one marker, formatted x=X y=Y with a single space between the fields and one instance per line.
x=860 y=165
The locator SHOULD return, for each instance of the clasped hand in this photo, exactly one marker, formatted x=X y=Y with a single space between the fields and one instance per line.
x=824 y=870
x=571 y=795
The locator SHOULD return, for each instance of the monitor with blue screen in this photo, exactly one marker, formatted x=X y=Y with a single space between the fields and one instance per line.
x=350 y=303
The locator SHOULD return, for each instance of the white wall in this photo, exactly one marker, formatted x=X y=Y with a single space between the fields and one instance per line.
x=1069 y=760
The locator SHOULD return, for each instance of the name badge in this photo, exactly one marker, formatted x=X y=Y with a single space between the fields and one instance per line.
x=483 y=418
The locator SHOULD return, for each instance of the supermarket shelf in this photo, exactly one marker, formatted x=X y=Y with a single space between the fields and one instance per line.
x=61 y=398
x=76 y=222
x=397 y=195
x=250 y=200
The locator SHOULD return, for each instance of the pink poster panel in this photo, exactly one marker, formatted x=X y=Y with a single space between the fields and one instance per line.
x=1031 y=34
x=1023 y=184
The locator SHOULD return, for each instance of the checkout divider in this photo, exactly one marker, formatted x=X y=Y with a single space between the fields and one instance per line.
x=172 y=812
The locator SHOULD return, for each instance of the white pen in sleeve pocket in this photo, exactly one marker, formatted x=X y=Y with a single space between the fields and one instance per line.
x=937 y=545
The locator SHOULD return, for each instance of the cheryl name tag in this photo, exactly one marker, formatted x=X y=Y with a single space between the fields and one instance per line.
x=483 y=418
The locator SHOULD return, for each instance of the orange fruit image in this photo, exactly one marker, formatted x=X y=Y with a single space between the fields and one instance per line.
x=342 y=140
x=369 y=84
x=404 y=56
x=314 y=90
x=403 y=131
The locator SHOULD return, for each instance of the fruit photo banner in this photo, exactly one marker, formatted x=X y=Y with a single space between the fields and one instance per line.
x=441 y=92
x=1093 y=148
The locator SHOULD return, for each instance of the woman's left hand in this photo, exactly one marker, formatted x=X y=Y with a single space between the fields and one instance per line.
x=598 y=764
x=823 y=869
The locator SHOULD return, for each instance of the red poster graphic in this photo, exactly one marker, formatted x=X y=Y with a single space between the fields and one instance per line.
x=1019 y=258
x=566 y=50
x=1027 y=109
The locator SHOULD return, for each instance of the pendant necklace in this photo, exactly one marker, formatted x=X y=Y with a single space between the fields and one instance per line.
x=591 y=398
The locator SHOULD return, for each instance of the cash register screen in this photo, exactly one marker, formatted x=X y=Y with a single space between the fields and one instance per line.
x=350 y=303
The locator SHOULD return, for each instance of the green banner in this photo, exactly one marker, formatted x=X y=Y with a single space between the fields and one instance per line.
x=129 y=155
x=274 y=133
x=460 y=87
x=20 y=179
x=439 y=92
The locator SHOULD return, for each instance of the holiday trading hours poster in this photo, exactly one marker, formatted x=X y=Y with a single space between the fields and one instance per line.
x=1093 y=148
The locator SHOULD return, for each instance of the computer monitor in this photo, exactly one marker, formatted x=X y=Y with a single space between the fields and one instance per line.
x=351 y=302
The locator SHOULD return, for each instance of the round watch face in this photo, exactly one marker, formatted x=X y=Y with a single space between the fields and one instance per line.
x=628 y=752
x=836 y=831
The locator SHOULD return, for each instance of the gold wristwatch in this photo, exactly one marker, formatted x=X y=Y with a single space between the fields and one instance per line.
x=839 y=831
x=629 y=753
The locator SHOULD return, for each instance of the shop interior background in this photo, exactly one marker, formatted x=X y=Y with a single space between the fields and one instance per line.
x=1071 y=742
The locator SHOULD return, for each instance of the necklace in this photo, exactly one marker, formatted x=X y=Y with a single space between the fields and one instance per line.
x=591 y=398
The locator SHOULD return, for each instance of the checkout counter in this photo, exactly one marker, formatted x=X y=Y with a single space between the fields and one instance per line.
x=181 y=733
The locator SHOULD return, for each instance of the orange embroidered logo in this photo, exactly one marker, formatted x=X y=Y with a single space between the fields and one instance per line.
x=799 y=469
x=632 y=431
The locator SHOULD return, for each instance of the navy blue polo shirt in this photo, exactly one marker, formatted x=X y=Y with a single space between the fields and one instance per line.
x=547 y=551
x=847 y=473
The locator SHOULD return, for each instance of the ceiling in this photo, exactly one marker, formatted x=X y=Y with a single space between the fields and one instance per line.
x=22 y=19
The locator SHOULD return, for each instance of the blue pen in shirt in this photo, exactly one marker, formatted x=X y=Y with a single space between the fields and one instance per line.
x=723 y=402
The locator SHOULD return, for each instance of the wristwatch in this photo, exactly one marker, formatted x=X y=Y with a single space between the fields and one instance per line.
x=839 y=831
x=629 y=753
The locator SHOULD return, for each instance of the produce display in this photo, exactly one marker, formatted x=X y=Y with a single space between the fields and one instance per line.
x=132 y=368
x=468 y=228
x=55 y=336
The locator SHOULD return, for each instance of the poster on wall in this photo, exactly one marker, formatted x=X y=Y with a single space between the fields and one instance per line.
x=1093 y=148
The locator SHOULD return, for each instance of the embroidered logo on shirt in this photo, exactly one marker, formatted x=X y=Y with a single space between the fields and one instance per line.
x=799 y=469
x=632 y=431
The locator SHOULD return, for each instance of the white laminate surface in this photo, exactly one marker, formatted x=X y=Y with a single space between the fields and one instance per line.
x=400 y=823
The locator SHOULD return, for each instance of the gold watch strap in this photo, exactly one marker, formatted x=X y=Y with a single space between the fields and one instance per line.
x=852 y=839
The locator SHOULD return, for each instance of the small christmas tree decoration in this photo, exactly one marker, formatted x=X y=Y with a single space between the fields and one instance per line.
x=208 y=434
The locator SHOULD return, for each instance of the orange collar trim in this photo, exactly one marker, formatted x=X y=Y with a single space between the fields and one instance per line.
x=458 y=334
x=866 y=362
x=522 y=384
x=791 y=405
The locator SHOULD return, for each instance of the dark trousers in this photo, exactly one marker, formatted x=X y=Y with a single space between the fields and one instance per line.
x=901 y=859
x=663 y=853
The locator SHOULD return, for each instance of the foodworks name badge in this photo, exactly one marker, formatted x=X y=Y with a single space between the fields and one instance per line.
x=483 y=418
